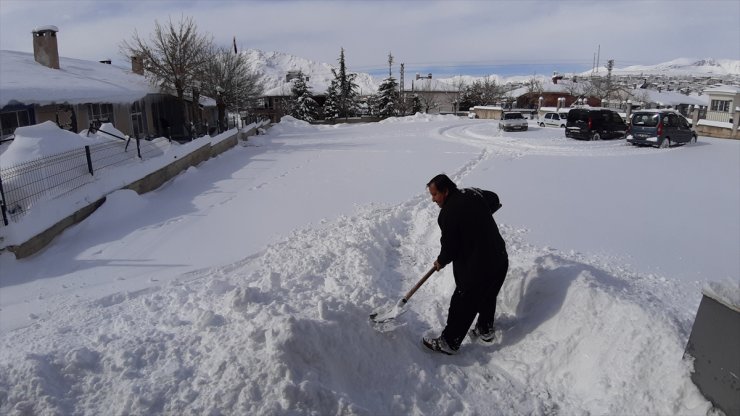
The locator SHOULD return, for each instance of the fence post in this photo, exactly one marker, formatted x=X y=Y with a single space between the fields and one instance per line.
x=89 y=160
x=138 y=147
x=3 y=207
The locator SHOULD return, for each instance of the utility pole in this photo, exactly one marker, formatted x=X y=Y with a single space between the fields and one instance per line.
x=609 y=67
x=390 y=65
x=400 y=91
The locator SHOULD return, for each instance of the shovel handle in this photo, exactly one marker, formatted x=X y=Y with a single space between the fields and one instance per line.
x=418 y=285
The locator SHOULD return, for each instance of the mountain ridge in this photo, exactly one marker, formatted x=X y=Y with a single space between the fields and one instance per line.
x=273 y=66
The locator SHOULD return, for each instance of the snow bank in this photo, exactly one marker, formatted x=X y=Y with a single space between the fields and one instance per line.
x=292 y=125
x=725 y=292
x=101 y=135
x=287 y=332
x=39 y=140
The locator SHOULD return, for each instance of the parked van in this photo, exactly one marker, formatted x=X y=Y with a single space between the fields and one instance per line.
x=594 y=124
x=659 y=128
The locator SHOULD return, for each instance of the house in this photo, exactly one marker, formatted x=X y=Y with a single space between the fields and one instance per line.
x=435 y=96
x=74 y=93
x=650 y=98
x=723 y=101
x=723 y=113
x=556 y=92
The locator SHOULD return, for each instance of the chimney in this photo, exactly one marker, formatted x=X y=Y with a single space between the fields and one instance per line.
x=45 y=50
x=137 y=65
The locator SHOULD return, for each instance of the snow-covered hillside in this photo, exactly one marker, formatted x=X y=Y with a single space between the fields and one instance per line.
x=275 y=65
x=684 y=67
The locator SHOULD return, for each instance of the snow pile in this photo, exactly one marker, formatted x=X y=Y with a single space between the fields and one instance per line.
x=287 y=332
x=112 y=133
x=292 y=125
x=39 y=140
x=726 y=292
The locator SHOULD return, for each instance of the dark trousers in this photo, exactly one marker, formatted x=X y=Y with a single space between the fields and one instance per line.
x=465 y=305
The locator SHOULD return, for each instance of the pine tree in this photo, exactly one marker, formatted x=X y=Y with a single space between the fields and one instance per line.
x=416 y=105
x=303 y=106
x=387 y=99
x=346 y=89
x=331 y=105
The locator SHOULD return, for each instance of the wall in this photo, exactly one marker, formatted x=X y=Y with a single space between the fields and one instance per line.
x=718 y=132
x=148 y=183
x=493 y=113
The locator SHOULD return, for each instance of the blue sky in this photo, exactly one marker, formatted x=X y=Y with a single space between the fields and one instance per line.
x=443 y=37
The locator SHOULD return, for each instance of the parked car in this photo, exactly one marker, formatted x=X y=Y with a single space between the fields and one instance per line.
x=554 y=120
x=513 y=120
x=659 y=128
x=594 y=124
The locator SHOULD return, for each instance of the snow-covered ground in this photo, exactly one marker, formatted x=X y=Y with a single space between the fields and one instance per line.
x=243 y=286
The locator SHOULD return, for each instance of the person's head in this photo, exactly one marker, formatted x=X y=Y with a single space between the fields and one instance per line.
x=440 y=187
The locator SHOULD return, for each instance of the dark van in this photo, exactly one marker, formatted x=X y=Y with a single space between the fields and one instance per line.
x=594 y=124
x=659 y=128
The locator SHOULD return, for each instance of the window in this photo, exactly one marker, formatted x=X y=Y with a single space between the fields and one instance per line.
x=137 y=120
x=11 y=120
x=100 y=112
x=670 y=120
x=721 y=106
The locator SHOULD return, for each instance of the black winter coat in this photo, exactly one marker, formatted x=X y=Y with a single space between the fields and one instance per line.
x=470 y=237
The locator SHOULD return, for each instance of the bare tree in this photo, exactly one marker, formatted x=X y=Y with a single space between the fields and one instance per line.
x=459 y=85
x=175 y=55
x=229 y=79
x=534 y=86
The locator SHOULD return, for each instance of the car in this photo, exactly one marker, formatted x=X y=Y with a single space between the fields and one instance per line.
x=513 y=120
x=554 y=120
x=594 y=124
x=659 y=128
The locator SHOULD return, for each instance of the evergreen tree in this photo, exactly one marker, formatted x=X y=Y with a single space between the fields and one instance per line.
x=331 y=105
x=387 y=99
x=416 y=105
x=303 y=106
x=346 y=89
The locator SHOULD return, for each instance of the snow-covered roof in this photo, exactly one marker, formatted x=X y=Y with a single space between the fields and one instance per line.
x=426 y=84
x=23 y=80
x=723 y=89
x=547 y=87
x=672 y=98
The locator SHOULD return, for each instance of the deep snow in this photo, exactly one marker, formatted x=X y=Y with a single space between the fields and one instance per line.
x=243 y=285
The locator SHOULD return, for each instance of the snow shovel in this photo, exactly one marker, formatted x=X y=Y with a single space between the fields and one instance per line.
x=381 y=316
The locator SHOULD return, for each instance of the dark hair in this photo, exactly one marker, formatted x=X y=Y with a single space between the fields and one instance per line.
x=443 y=183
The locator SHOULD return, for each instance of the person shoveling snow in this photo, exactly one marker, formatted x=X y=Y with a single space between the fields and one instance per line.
x=472 y=243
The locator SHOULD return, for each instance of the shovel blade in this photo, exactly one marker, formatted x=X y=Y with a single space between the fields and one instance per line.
x=383 y=315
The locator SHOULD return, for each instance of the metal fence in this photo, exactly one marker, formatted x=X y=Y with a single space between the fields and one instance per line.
x=26 y=184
